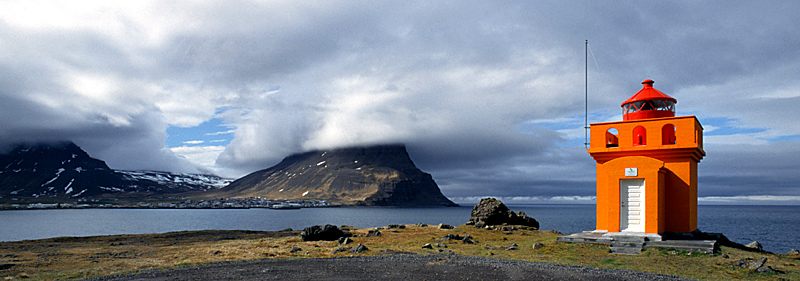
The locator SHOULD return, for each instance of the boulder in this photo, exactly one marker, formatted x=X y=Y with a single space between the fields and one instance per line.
x=295 y=249
x=373 y=233
x=537 y=246
x=755 y=246
x=360 y=249
x=757 y=265
x=327 y=233
x=427 y=246
x=468 y=240
x=445 y=226
x=490 y=211
x=512 y=247
x=345 y=240
x=453 y=237
x=793 y=252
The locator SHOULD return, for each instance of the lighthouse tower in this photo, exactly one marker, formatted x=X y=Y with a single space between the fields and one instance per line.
x=647 y=167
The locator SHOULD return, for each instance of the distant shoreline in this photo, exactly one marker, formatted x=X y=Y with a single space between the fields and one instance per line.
x=159 y=208
x=462 y=205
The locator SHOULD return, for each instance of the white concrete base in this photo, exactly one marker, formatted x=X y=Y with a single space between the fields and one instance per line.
x=649 y=236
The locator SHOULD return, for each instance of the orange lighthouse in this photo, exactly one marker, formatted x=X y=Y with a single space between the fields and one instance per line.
x=647 y=167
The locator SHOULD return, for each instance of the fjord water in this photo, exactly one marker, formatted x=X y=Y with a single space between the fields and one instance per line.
x=776 y=227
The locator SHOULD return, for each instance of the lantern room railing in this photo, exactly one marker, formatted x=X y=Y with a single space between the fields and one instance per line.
x=645 y=134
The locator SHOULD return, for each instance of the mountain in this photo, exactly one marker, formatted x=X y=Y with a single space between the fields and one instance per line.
x=382 y=175
x=64 y=171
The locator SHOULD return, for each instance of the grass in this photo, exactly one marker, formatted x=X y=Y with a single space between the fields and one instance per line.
x=77 y=258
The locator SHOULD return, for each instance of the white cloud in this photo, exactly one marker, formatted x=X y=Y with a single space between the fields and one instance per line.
x=193 y=142
x=219 y=133
x=202 y=156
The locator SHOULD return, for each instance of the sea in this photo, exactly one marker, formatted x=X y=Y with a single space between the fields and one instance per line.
x=777 y=228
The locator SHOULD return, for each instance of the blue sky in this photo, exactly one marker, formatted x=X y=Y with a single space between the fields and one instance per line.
x=211 y=132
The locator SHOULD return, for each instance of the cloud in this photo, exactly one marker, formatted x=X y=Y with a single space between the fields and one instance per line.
x=203 y=157
x=193 y=142
x=220 y=133
x=487 y=96
x=751 y=199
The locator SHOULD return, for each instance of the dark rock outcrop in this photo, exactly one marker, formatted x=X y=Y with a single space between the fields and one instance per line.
x=490 y=211
x=382 y=175
x=318 y=232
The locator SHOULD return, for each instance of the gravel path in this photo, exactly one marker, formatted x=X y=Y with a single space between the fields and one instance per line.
x=404 y=267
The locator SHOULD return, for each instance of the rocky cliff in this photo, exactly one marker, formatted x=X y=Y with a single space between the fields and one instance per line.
x=62 y=170
x=381 y=175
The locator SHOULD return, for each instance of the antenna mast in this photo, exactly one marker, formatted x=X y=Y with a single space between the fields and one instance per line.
x=586 y=94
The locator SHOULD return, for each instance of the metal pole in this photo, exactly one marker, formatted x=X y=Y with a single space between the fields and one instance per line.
x=586 y=95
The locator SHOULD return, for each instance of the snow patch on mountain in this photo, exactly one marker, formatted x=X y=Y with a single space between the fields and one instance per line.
x=197 y=181
x=79 y=193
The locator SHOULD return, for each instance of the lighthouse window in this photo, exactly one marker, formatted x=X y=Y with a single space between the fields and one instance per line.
x=639 y=136
x=668 y=134
x=611 y=138
x=663 y=105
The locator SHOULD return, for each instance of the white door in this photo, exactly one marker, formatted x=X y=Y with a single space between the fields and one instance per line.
x=631 y=209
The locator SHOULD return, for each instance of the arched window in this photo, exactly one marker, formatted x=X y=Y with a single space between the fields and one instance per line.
x=668 y=134
x=612 y=139
x=639 y=136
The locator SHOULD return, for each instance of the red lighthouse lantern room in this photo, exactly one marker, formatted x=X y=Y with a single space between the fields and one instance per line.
x=648 y=103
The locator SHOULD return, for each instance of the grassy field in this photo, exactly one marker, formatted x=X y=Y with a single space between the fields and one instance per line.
x=76 y=258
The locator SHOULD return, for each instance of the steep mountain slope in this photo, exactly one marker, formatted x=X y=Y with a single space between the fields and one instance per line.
x=381 y=175
x=64 y=170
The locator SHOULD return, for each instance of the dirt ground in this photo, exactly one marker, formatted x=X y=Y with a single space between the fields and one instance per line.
x=389 y=267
